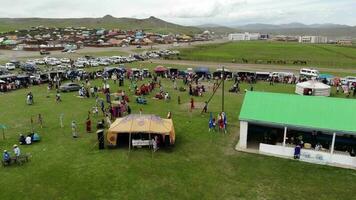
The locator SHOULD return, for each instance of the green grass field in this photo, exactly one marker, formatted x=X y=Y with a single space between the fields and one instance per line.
x=318 y=55
x=201 y=165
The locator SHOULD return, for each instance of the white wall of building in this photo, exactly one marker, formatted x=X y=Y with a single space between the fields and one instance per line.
x=313 y=39
x=243 y=134
x=244 y=36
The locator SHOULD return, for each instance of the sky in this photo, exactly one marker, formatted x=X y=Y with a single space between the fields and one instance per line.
x=191 y=12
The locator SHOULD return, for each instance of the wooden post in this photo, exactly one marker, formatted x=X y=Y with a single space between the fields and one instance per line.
x=284 y=136
x=223 y=88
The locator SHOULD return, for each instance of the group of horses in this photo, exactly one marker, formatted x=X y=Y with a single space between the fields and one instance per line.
x=280 y=62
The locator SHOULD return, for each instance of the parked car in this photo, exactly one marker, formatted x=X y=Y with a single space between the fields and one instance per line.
x=15 y=62
x=10 y=66
x=64 y=60
x=39 y=62
x=28 y=67
x=69 y=87
x=93 y=64
x=44 y=52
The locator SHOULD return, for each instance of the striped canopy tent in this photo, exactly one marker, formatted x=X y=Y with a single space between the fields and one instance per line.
x=141 y=124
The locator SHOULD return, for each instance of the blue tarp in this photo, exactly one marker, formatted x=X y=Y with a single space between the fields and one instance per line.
x=326 y=76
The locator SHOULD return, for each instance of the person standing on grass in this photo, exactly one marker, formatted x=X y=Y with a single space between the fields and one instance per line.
x=88 y=125
x=17 y=151
x=40 y=120
x=205 y=109
x=74 y=129
x=6 y=157
x=192 y=104
x=102 y=106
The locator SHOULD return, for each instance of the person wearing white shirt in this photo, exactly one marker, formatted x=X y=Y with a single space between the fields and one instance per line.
x=28 y=140
x=17 y=151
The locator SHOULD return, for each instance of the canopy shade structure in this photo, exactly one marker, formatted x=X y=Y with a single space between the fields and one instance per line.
x=313 y=87
x=144 y=124
x=309 y=112
x=326 y=76
x=160 y=69
x=203 y=70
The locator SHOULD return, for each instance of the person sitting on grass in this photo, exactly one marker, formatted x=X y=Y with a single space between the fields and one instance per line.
x=36 y=137
x=22 y=139
x=28 y=140
x=6 y=157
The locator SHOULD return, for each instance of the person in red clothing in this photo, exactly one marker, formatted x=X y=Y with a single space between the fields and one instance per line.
x=88 y=125
x=192 y=104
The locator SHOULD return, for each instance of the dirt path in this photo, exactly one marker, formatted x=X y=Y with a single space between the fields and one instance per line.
x=11 y=54
x=248 y=67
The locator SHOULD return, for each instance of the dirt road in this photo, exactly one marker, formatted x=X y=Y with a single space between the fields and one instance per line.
x=249 y=67
x=11 y=54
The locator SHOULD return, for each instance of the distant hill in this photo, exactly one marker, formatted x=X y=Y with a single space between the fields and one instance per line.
x=151 y=24
x=218 y=29
x=334 y=31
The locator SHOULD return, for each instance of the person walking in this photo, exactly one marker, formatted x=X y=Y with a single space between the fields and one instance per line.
x=6 y=157
x=88 y=125
x=74 y=129
x=17 y=151
x=192 y=104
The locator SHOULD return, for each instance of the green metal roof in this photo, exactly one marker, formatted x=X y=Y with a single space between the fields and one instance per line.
x=323 y=113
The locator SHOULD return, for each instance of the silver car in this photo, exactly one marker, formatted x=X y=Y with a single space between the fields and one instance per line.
x=69 y=87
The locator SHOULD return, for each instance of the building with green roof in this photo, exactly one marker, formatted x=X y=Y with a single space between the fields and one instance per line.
x=273 y=123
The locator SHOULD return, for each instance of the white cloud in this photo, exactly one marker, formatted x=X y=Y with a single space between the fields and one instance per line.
x=192 y=12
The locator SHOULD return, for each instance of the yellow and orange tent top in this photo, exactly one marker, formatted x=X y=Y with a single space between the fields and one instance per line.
x=136 y=123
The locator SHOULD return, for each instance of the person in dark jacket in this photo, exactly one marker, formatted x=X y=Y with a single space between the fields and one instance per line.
x=22 y=139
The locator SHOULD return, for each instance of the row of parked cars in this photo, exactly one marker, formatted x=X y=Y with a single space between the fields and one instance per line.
x=86 y=61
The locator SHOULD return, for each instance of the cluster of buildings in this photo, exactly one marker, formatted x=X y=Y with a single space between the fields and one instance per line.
x=316 y=39
x=38 y=38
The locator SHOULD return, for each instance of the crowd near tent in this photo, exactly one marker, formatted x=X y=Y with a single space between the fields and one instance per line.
x=141 y=124
x=313 y=88
x=202 y=71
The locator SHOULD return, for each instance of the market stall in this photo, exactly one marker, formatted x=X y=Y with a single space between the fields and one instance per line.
x=139 y=129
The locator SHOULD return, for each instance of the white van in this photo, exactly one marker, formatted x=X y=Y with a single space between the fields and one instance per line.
x=309 y=72
x=10 y=66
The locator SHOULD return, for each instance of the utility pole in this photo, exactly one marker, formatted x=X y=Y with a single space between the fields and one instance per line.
x=223 y=88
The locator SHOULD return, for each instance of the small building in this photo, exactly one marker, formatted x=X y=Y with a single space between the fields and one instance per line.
x=273 y=124
x=344 y=42
x=313 y=39
x=244 y=36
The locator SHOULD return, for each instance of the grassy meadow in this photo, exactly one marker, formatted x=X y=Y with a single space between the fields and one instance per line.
x=318 y=55
x=201 y=165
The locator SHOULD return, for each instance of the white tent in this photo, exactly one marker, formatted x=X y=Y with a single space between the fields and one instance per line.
x=313 y=88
